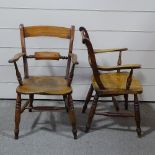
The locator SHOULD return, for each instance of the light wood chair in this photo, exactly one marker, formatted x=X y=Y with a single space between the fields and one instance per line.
x=45 y=85
x=111 y=84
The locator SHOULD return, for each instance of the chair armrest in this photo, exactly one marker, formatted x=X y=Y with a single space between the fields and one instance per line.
x=130 y=66
x=96 y=51
x=74 y=58
x=16 y=57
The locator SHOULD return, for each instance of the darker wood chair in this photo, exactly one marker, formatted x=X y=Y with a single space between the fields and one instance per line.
x=45 y=85
x=111 y=84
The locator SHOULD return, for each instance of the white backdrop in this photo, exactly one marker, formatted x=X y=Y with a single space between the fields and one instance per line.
x=111 y=24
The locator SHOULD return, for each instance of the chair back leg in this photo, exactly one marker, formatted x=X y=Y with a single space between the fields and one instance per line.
x=92 y=112
x=71 y=115
x=115 y=103
x=89 y=95
x=31 y=97
x=137 y=115
x=126 y=101
x=65 y=100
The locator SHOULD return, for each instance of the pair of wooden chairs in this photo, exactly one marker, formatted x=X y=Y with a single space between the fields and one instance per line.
x=105 y=84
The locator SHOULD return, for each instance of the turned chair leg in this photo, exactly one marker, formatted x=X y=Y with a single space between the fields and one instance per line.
x=31 y=97
x=91 y=113
x=89 y=95
x=115 y=103
x=126 y=101
x=17 y=115
x=137 y=115
x=65 y=100
x=72 y=116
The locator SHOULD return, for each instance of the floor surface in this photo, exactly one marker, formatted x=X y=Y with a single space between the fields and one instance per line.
x=49 y=133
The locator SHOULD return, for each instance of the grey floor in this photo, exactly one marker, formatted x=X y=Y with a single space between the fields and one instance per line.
x=48 y=133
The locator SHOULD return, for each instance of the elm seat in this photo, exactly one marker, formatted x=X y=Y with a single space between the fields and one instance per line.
x=50 y=85
x=115 y=83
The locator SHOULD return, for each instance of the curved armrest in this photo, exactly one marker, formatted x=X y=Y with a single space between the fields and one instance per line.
x=96 y=51
x=132 y=66
x=16 y=57
x=74 y=58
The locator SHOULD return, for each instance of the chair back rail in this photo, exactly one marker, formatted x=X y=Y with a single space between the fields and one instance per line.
x=50 y=31
x=72 y=33
x=47 y=31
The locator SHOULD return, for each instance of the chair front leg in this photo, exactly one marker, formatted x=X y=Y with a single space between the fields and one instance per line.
x=72 y=116
x=137 y=115
x=17 y=115
x=89 y=95
x=126 y=101
x=91 y=113
x=31 y=97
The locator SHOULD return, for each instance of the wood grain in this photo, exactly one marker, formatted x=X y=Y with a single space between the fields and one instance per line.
x=47 y=55
x=115 y=83
x=53 y=31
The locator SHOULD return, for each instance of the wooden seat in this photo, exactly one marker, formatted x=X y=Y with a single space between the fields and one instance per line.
x=45 y=85
x=110 y=84
x=115 y=83
x=55 y=85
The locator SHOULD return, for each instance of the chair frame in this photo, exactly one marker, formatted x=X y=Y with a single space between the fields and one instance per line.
x=50 y=31
x=101 y=92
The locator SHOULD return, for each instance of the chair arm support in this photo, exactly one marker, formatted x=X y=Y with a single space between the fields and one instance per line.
x=74 y=62
x=96 y=51
x=74 y=58
x=16 y=57
x=130 y=66
x=18 y=74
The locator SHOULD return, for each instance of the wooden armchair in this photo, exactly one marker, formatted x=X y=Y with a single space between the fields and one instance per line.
x=45 y=85
x=111 y=84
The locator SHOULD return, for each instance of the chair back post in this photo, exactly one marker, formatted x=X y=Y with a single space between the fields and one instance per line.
x=91 y=56
x=23 y=46
x=72 y=31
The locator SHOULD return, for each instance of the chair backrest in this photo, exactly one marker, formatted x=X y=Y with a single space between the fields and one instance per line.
x=47 y=31
x=91 y=56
